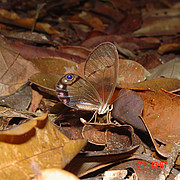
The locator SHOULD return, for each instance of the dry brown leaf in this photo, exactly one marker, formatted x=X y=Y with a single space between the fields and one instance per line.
x=14 y=70
x=28 y=36
x=36 y=99
x=149 y=61
x=168 y=48
x=117 y=138
x=127 y=108
x=75 y=50
x=87 y=18
x=55 y=65
x=161 y=114
x=82 y=164
x=130 y=72
x=168 y=84
x=46 y=82
x=29 y=52
x=37 y=141
x=13 y=18
x=8 y=112
x=15 y=100
x=170 y=12
x=160 y=22
x=168 y=70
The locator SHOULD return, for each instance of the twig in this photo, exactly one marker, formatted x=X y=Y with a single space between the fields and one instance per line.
x=39 y=7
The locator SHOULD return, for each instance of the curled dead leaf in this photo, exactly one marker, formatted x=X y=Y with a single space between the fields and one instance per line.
x=44 y=144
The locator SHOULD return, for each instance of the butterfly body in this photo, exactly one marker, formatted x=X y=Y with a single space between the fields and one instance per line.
x=95 y=90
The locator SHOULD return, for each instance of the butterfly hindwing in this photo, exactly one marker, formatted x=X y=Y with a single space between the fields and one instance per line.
x=76 y=92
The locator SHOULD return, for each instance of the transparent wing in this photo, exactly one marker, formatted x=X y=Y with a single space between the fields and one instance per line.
x=76 y=92
x=101 y=70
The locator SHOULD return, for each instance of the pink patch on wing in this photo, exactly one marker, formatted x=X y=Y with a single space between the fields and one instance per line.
x=65 y=101
x=61 y=94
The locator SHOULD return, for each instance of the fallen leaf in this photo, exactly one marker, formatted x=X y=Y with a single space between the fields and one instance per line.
x=106 y=12
x=168 y=70
x=54 y=65
x=29 y=52
x=8 y=112
x=75 y=50
x=142 y=43
x=161 y=114
x=38 y=141
x=129 y=24
x=127 y=108
x=168 y=84
x=46 y=82
x=36 y=99
x=14 y=70
x=14 y=19
x=15 y=100
x=117 y=138
x=84 y=164
x=169 y=48
x=125 y=51
x=28 y=36
x=149 y=61
x=159 y=22
x=130 y=72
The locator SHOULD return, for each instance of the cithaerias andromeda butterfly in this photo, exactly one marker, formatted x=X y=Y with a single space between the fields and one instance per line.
x=94 y=91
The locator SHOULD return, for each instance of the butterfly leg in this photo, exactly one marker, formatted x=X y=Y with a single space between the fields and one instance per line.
x=94 y=117
x=109 y=117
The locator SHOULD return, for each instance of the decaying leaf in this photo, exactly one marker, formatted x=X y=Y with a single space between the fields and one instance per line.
x=75 y=50
x=46 y=82
x=128 y=107
x=168 y=70
x=39 y=141
x=36 y=100
x=29 y=36
x=29 y=52
x=116 y=138
x=149 y=61
x=130 y=72
x=15 y=100
x=168 y=84
x=14 y=70
x=54 y=65
x=161 y=114
x=159 y=26
x=169 y=47
x=15 y=19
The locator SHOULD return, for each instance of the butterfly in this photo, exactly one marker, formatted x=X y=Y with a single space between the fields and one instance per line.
x=94 y=91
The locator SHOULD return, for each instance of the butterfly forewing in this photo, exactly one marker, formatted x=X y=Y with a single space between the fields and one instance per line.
x=76 y=92
x=101 y=70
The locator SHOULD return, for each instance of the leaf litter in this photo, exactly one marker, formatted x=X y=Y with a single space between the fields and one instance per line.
x=145 y=124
